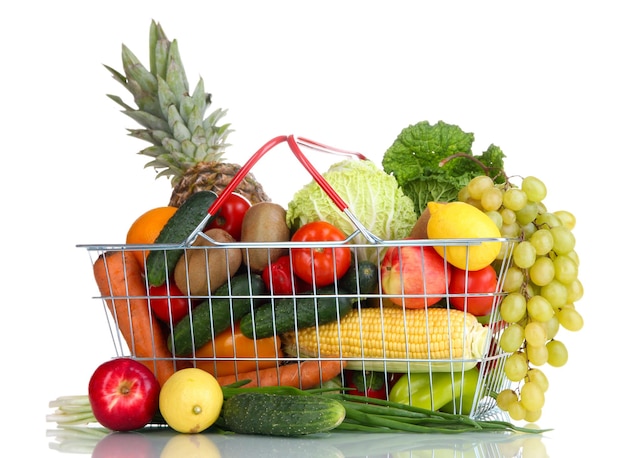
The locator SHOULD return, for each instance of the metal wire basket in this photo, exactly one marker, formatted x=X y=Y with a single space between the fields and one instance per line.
x=445 y=350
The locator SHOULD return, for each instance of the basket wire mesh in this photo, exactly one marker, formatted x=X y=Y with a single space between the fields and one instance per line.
x=488 y=359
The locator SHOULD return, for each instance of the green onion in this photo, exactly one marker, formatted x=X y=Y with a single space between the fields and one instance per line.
x=362 y=413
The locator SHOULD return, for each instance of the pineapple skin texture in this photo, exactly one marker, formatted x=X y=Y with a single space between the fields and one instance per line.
x=215 y=176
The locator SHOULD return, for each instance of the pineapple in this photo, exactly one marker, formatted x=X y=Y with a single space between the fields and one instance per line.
x=186 y=147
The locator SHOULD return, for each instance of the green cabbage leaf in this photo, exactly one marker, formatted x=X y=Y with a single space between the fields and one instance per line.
x=416 y=155
x=372 y=196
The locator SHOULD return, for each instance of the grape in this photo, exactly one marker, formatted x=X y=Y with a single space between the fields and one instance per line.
x=540 y=283
x=543 y=241
x=552 y=327
x=505 y=398
x=555 y=292
x=463 y=194
x=534 y=188
x=496 y=217
x=570 y=319
x=514 y=199
x=564 y=240
x=513 y=307
x=517 y=411
x=557 y=353
x=491 y=199
x=539 y=308
x=508 y=216
x=539 y=377
x=567 y=219
x=475 y=203
x=565 y=269
x=511 y=231
x=527 y=214
x=478 y=185
x=542 y=271
x=532 y=416
x=575 y=291
x=574 y=257
x=513 y=280
x=516 y=366
x=535 y=334
x=537 y=355
x=524 y=254
x=512 y=338
x=531 y=396
x=547 y=220
x=528 y=229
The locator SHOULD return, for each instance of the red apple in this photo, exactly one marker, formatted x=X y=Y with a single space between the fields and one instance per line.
x=414 y=270
x=124 y=394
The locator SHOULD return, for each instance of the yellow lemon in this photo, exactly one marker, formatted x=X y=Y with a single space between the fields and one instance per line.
x=460 y=220
x=190 y=400
x=190 y=446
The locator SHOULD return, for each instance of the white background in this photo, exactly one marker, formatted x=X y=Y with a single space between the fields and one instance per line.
x=542 y=80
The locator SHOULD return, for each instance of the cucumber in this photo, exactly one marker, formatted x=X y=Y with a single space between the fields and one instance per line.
x=361 y=278
x=213 y=315
x=161 y=263
x=281 y=315
x=281 y=414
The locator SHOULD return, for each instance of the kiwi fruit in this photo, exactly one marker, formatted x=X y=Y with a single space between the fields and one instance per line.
x=200 y=272
x=264 y=222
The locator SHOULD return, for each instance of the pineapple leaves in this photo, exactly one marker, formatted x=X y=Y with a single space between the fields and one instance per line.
x=175 y=76
x=159 y=49
x=135 y=71
x=171 y=119
x=148 y=120
x=177 y=125
x=166 y=96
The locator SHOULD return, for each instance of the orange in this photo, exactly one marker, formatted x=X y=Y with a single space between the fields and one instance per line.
x=147 y=228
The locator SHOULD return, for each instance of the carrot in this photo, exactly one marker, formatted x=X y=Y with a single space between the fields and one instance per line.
x=304 y=375
x=119 y=276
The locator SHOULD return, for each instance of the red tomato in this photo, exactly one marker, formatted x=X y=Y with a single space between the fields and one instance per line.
x=230 y=215
x=369 y=383
x=279 y=279
x=167 y=300
x=479 y=282
x=320 y=266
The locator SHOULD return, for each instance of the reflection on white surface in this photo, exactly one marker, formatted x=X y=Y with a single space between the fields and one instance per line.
x=162 y=442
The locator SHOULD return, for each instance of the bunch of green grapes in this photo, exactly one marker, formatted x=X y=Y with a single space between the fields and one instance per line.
x=542 y=286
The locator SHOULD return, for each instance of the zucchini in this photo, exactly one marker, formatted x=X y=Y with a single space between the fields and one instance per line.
x=233 y=299
x=287 y=314
x=281 y=414
x=161 y=263
x=361 y=278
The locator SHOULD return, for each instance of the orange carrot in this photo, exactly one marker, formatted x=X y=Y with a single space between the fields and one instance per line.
x=304 y=375
x=119 y=275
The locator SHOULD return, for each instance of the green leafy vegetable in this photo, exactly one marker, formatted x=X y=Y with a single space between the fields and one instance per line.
x=372 y=195
x=433 y=162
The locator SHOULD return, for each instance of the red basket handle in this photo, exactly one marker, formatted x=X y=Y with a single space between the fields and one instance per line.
x=293 y=142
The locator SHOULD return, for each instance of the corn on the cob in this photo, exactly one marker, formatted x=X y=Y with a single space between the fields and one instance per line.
x=372 y=338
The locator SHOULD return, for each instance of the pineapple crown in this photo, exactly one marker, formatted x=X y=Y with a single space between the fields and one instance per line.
x=172 y=119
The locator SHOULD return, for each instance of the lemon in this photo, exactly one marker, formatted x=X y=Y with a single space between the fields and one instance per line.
x=190 y=446
x=190 y=400
x=460 y=220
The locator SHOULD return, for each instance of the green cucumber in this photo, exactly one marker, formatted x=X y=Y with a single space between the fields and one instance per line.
x=281 y=414
x=284 y=315
x=361 y=278
x=160 y=263
x=212 y=316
